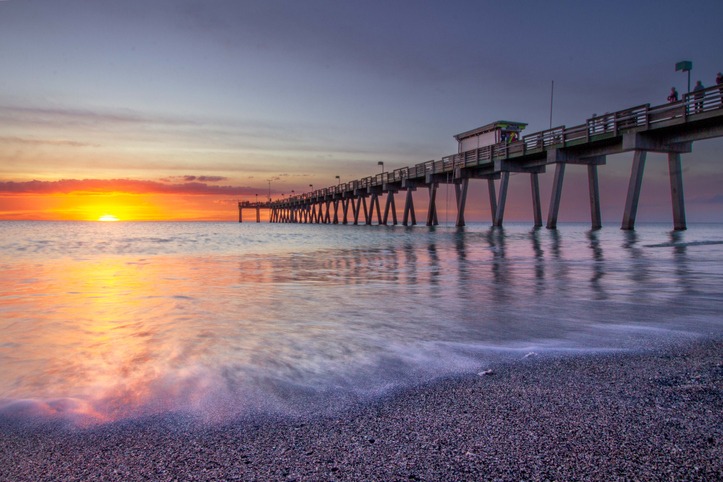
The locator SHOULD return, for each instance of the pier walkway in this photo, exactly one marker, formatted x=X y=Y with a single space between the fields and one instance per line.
x=669 y=128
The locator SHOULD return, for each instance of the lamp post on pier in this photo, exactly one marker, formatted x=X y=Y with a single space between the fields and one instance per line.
x=381 y=163
x=685 y=66
x=339 y=180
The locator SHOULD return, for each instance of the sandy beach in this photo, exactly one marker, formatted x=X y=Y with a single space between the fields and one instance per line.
x=654 y=415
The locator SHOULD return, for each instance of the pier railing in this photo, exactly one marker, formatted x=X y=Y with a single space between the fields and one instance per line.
x=596 y=128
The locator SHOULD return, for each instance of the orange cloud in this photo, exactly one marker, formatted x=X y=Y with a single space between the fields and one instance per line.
x=125 y=199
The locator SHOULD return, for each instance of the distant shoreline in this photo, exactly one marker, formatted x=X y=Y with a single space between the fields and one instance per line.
x=656 y=414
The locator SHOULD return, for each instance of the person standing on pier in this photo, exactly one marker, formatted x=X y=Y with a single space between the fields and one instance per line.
x=673 y=97
x=698 y=94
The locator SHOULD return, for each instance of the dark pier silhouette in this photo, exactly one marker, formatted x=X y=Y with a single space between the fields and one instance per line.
x=257 y=206
x=670 y=128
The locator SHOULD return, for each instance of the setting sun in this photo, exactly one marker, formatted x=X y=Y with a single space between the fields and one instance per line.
x=107 y=217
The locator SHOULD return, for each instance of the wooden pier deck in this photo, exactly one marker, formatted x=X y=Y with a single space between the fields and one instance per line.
x=669 y=128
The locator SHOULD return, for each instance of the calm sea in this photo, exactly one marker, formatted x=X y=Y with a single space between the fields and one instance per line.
x=106 y=321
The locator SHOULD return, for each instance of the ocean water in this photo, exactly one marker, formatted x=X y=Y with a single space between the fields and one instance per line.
x=108 y=321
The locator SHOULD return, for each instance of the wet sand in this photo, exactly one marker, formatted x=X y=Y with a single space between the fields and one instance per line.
x=652 y=416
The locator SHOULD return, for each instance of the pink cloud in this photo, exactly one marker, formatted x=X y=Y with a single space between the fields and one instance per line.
x=45 y=142
x=65 y=186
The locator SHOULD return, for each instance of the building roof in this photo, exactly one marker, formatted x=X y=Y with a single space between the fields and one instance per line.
x=490 y=127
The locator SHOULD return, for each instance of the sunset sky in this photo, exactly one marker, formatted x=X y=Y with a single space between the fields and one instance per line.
x=176 y=109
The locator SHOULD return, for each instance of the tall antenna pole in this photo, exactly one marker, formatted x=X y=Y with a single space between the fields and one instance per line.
x=552 y=94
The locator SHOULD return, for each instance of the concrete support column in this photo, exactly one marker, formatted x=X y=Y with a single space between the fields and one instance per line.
x=336 y=211
x=409 y=209
x=556 y=195
x=636 y=181
x=374 y=207
x=375 y=204
x=366 y=211
x=594 y=192
x=327 y=217
x=355 y=207
x=240 y=213
x=500 y=214
x=432 y=211
x=345 y=210
x=676 y=191
x=493 y=199
x=370 y=214
x=460 y=191
x=536 y=205
x=389 y=205
x=258 y=214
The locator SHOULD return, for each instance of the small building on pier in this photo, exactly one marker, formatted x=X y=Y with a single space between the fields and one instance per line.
x=487 y=135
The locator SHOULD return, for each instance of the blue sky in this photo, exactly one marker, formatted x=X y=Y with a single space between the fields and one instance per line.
x=302 y=91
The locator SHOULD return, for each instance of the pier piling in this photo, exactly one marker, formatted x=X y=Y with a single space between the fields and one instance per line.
x=676 y=191
x=634 y=185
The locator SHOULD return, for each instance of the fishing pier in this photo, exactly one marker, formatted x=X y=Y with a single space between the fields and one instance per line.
x=495 y=151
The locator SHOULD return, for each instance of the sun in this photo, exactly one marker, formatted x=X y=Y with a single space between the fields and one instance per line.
x=107 y=217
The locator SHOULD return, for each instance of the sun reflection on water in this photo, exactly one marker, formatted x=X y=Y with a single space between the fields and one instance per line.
x=85 y=335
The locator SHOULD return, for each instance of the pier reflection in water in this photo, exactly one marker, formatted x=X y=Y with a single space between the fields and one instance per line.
x=276 y=318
